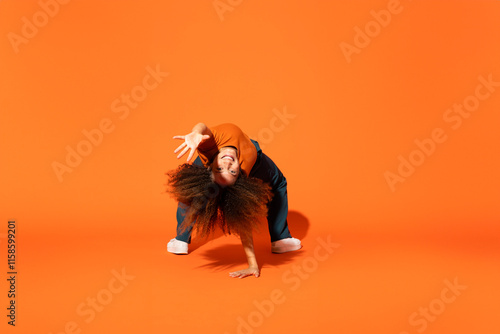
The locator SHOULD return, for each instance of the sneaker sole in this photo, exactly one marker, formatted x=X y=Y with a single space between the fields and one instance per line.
x=286 y=249
x=176 y=251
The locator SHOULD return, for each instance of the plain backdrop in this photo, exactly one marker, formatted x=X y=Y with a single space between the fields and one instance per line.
x=357 y=103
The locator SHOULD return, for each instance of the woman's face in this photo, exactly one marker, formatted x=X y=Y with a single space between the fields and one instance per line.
x=226 y=167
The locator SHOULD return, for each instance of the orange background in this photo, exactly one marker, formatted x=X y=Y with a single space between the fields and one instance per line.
x=351 y=121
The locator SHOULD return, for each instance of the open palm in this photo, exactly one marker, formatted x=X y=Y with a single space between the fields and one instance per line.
x=191 y=143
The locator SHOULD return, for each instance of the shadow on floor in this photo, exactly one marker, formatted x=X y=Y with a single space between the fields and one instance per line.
x=228 y=256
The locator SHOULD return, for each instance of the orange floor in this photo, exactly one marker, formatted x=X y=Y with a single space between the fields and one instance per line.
x=383 y=115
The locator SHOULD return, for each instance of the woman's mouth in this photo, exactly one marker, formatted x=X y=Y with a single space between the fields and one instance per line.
x=227 y=157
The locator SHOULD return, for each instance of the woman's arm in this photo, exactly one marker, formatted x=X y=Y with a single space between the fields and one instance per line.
x=202 y=129
x=253 y=268
x=198 y=135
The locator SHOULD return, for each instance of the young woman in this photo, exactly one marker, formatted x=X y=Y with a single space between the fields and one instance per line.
x=230 y=185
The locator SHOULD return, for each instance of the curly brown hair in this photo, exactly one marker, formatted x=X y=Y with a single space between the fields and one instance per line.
x=235 y=209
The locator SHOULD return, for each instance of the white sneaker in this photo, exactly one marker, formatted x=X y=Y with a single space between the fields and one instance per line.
x=177 y=247
x=285 y=245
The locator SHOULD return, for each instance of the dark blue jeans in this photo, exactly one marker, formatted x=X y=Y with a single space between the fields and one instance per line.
x=266 y=170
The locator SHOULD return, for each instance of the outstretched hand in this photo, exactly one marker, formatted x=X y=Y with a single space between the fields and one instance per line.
x=191 y=142
x=245 y=272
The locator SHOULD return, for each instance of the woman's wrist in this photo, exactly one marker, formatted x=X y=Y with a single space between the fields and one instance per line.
x=252 y=263
x=199 y=128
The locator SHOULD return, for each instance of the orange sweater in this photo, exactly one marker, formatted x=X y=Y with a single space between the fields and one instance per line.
x=229 y=135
